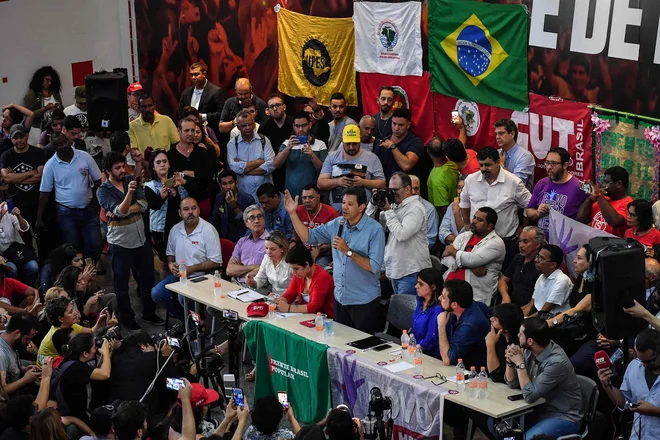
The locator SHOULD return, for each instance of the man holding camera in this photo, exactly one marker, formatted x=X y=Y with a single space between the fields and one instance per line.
x=406 y=248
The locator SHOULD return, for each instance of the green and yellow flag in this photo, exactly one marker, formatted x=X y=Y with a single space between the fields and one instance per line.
x=478 y=52
x=316 y=56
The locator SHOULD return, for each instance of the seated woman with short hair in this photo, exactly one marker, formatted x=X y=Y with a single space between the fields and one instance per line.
x=311 y=290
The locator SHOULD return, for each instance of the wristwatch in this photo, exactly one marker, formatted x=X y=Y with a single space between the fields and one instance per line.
x=393 y=146
x=555 y=322
x=349 y=254
x=521 y=366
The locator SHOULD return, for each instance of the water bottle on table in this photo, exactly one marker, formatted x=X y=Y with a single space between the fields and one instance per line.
x=272 y=305
x=405 y=340
x=217 y=284
x=183 y=274
x=319 y=325
x=483 y=384
x=473 y=385
x=418 y=360
x=412 y=345
x=328 y=326
x=460 y=375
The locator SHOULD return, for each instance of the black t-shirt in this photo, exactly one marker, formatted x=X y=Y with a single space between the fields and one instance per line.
x=25 y=196
x=497 y=375
x=277 y=135
x=202 y=162
x=523 y=278
x=410 y=143
x=383 y=127
x=74 y=388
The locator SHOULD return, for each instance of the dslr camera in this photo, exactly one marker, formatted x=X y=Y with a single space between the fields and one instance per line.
x=507 y=432
x=111 y=333
x=382 y=196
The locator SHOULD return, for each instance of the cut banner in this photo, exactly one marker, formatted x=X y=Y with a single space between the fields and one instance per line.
x=316 y=56
x=413 y=92
x=549 y=122
x=388 y=37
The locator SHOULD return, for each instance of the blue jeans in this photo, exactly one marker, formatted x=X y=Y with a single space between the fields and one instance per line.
x=405 y=285
x=162 y=296
x=27 y=273
x=553 y=428
x=123 y=259
x=81 y=228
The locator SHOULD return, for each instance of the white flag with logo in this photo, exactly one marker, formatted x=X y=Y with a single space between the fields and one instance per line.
x=388 y=38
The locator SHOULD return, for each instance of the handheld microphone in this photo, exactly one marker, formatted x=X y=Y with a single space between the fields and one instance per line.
x=602 y=361
x=342 y=220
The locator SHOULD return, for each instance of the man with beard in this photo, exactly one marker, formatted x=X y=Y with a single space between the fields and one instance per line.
x=11 y=115
x=277 y=129
x=313 y=213
x=516 y=285
x=233 y=106
x=384 y=117
x=124 y=203
x=152 y=129
x=476 y=255
x=74 y=176
x=560 y=191
x=402 y=150
x=208 y=98
x=350 y=166
x=227 y=213
x=18 y=333
x=196 y=243
x=339 y=120
x=514 y=158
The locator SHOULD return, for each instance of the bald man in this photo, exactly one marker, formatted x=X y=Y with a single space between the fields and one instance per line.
x=367 y=129
x=232 y=106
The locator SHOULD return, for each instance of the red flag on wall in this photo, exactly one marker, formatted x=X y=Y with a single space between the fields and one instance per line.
x=413 y=92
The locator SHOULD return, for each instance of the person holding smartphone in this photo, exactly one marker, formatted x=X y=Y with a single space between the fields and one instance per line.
x=266 y=417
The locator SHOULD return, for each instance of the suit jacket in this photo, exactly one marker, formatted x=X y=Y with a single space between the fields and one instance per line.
x=211 y=102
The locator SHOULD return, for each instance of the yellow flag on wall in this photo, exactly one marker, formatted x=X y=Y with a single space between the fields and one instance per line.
x=316 y=56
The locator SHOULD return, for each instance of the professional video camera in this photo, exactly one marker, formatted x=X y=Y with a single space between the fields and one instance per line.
x=176 y=331
x=111 y=333
x=507 y=432
x=382 y=196
x=377 y=406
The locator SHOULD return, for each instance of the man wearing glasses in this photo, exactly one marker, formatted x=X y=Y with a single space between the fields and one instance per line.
x=250 y=250
x=249 y=106
x=406 y=249
x=560 y=191
x=277 y=128
x=514 y=158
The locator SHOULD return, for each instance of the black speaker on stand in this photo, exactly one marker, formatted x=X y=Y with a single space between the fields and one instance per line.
x=107 y=103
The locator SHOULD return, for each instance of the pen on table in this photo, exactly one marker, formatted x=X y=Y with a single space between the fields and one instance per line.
x=243 y=293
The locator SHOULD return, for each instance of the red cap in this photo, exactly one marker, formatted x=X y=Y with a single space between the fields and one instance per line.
x=135 y=87
x=258 y=309
x=201 y=396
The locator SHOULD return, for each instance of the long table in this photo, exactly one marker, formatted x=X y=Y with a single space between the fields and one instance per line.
x=496 y=405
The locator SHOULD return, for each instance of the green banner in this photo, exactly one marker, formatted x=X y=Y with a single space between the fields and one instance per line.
x=624 y=144
x=288 y=362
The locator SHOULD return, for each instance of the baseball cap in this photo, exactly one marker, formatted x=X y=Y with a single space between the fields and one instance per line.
x=351 y=134
x=257 y=309
x=201 y=396
x=17 y=128
x=81 y=94
x=135 y=87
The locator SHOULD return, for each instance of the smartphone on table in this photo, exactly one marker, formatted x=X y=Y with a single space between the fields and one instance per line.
x=283 y=398
x=239 y=399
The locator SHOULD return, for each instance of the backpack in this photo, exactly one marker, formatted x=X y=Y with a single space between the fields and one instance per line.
x=55 y=392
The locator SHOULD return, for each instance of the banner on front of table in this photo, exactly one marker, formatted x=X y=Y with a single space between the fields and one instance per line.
x=412 y=92
x=388 y=37
x=291 y=363
x=548 y=123
x=570 y=235
x=416 y=404
x=624 y=144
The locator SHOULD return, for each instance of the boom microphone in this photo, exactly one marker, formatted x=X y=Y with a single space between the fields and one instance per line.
x=342 y=220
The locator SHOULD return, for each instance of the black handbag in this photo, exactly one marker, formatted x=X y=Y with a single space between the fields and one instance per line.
x=576 y=327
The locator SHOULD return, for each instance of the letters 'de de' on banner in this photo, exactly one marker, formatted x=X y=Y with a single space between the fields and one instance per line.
x=478 y=51
x=549 y=123
x=388 y=37
x=316 y=56
x=288 y=362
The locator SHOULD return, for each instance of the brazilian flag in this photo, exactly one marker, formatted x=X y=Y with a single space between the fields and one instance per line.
x=478 y=52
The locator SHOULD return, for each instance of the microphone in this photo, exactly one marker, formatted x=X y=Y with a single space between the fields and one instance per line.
x=342 y=220
x=602 y=361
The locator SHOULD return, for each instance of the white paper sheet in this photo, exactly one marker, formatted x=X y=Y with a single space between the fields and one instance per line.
x=399 y=366
x=245 y=295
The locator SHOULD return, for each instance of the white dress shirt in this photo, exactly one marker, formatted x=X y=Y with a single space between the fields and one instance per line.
x=197 y=96
x=201 y=245
x=505 y=195
x=555 y=289
x=278 y=276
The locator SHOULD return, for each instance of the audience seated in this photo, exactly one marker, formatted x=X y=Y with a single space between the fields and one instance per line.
x=19 y=411
x=553 y=287
x=72 y=279
x=18 y=333
x=274 y=272
x=200 y=399
x=266 y=417
x=504 y=327
x=251 y=249
x=16 y=296
x=640 y=222
x=425 y=318
x=19 y=257
x=275 y=215
x=516 y=285
x=59 y=258
x=340 y=426
x=230 y=203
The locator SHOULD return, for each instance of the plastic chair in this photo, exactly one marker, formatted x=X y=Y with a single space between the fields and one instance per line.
x=399 y=314
x=435 y=262
x=226 y=248
x=589 y=391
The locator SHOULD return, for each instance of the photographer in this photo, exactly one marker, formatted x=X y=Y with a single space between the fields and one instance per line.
x=340 y=426
x=406 y=250
x=266 y=417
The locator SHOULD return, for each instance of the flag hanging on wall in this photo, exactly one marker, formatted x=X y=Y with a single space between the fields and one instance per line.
x=412 y=92
x=478 y=51
x=388 y=37
x=316 y=56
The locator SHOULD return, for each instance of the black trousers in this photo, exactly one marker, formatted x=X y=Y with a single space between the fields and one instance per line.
x=364 y=317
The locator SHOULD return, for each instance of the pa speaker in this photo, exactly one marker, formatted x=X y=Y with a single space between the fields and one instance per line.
x=618 y=268
x=107 y=103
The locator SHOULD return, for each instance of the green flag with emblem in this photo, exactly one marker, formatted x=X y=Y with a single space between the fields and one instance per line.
x=478 y=52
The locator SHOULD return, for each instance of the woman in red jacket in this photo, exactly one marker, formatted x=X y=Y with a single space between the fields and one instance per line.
x=311 y=289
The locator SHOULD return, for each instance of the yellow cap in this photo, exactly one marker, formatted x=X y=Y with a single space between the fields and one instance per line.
x=351 y=134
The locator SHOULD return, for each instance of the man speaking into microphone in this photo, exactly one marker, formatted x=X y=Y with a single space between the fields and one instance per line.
x=640 y=390
x=358 y=248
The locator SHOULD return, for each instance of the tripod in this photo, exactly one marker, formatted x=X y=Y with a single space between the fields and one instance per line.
x=233 y=345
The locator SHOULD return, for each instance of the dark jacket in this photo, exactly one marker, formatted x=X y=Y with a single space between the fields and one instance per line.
x=211 y=102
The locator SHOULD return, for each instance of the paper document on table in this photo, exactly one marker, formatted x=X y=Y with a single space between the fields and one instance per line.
x=245 y=295
x=285 y=315
x=399 y=366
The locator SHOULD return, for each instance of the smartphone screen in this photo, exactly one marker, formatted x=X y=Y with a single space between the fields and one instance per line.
x=238 y=397
x=455 y=117
x=283 y=398
x=173 y=383
x=89 y=262
x=173 y=342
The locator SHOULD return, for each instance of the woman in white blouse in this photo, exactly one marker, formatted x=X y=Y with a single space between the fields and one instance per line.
x=274 y=270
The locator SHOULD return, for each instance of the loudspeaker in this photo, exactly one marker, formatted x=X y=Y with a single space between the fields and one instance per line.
x=618 y=268
x=107 y=103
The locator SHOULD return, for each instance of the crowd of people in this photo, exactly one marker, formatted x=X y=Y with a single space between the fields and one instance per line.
x=330 y=215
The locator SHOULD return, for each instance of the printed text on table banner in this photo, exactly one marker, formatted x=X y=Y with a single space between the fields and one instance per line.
x=416 y=403
x=288 y=362
x=625 y=145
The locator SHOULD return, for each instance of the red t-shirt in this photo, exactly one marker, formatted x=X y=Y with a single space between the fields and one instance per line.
x=321 y=292
x=11 y=286
x=620 y=206
x=460 y=273
x=649 y=239
x=326 y=214
x=472 y=165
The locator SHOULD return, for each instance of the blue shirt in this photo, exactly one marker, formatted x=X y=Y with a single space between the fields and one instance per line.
x=72 y=181
x=431 y=222
x=279 y=220
x=467 y=335
x=246 y=152
x=354 y=285
x=230 y=226
x=300 y=169
x=634 y=389
x=448 y=225
x=425 y=328
x=521 y=163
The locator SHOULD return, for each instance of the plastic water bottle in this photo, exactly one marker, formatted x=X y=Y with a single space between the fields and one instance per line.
x=318 y=323
x=473 y=386
x=272 y=305
x=217 y=284
x=412 y=345
x=460 y=375
x=418 y=360
x=483 y=384
x=405 y=339
x=183 y=274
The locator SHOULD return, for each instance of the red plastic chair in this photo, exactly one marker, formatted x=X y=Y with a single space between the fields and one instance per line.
x=226 y=248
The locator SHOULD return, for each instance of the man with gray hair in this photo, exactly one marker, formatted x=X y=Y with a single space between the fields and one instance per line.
x=250 y=250
x=516 y=285
x=367 y=128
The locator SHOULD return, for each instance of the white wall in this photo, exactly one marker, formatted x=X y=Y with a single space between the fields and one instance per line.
x=58 y=33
